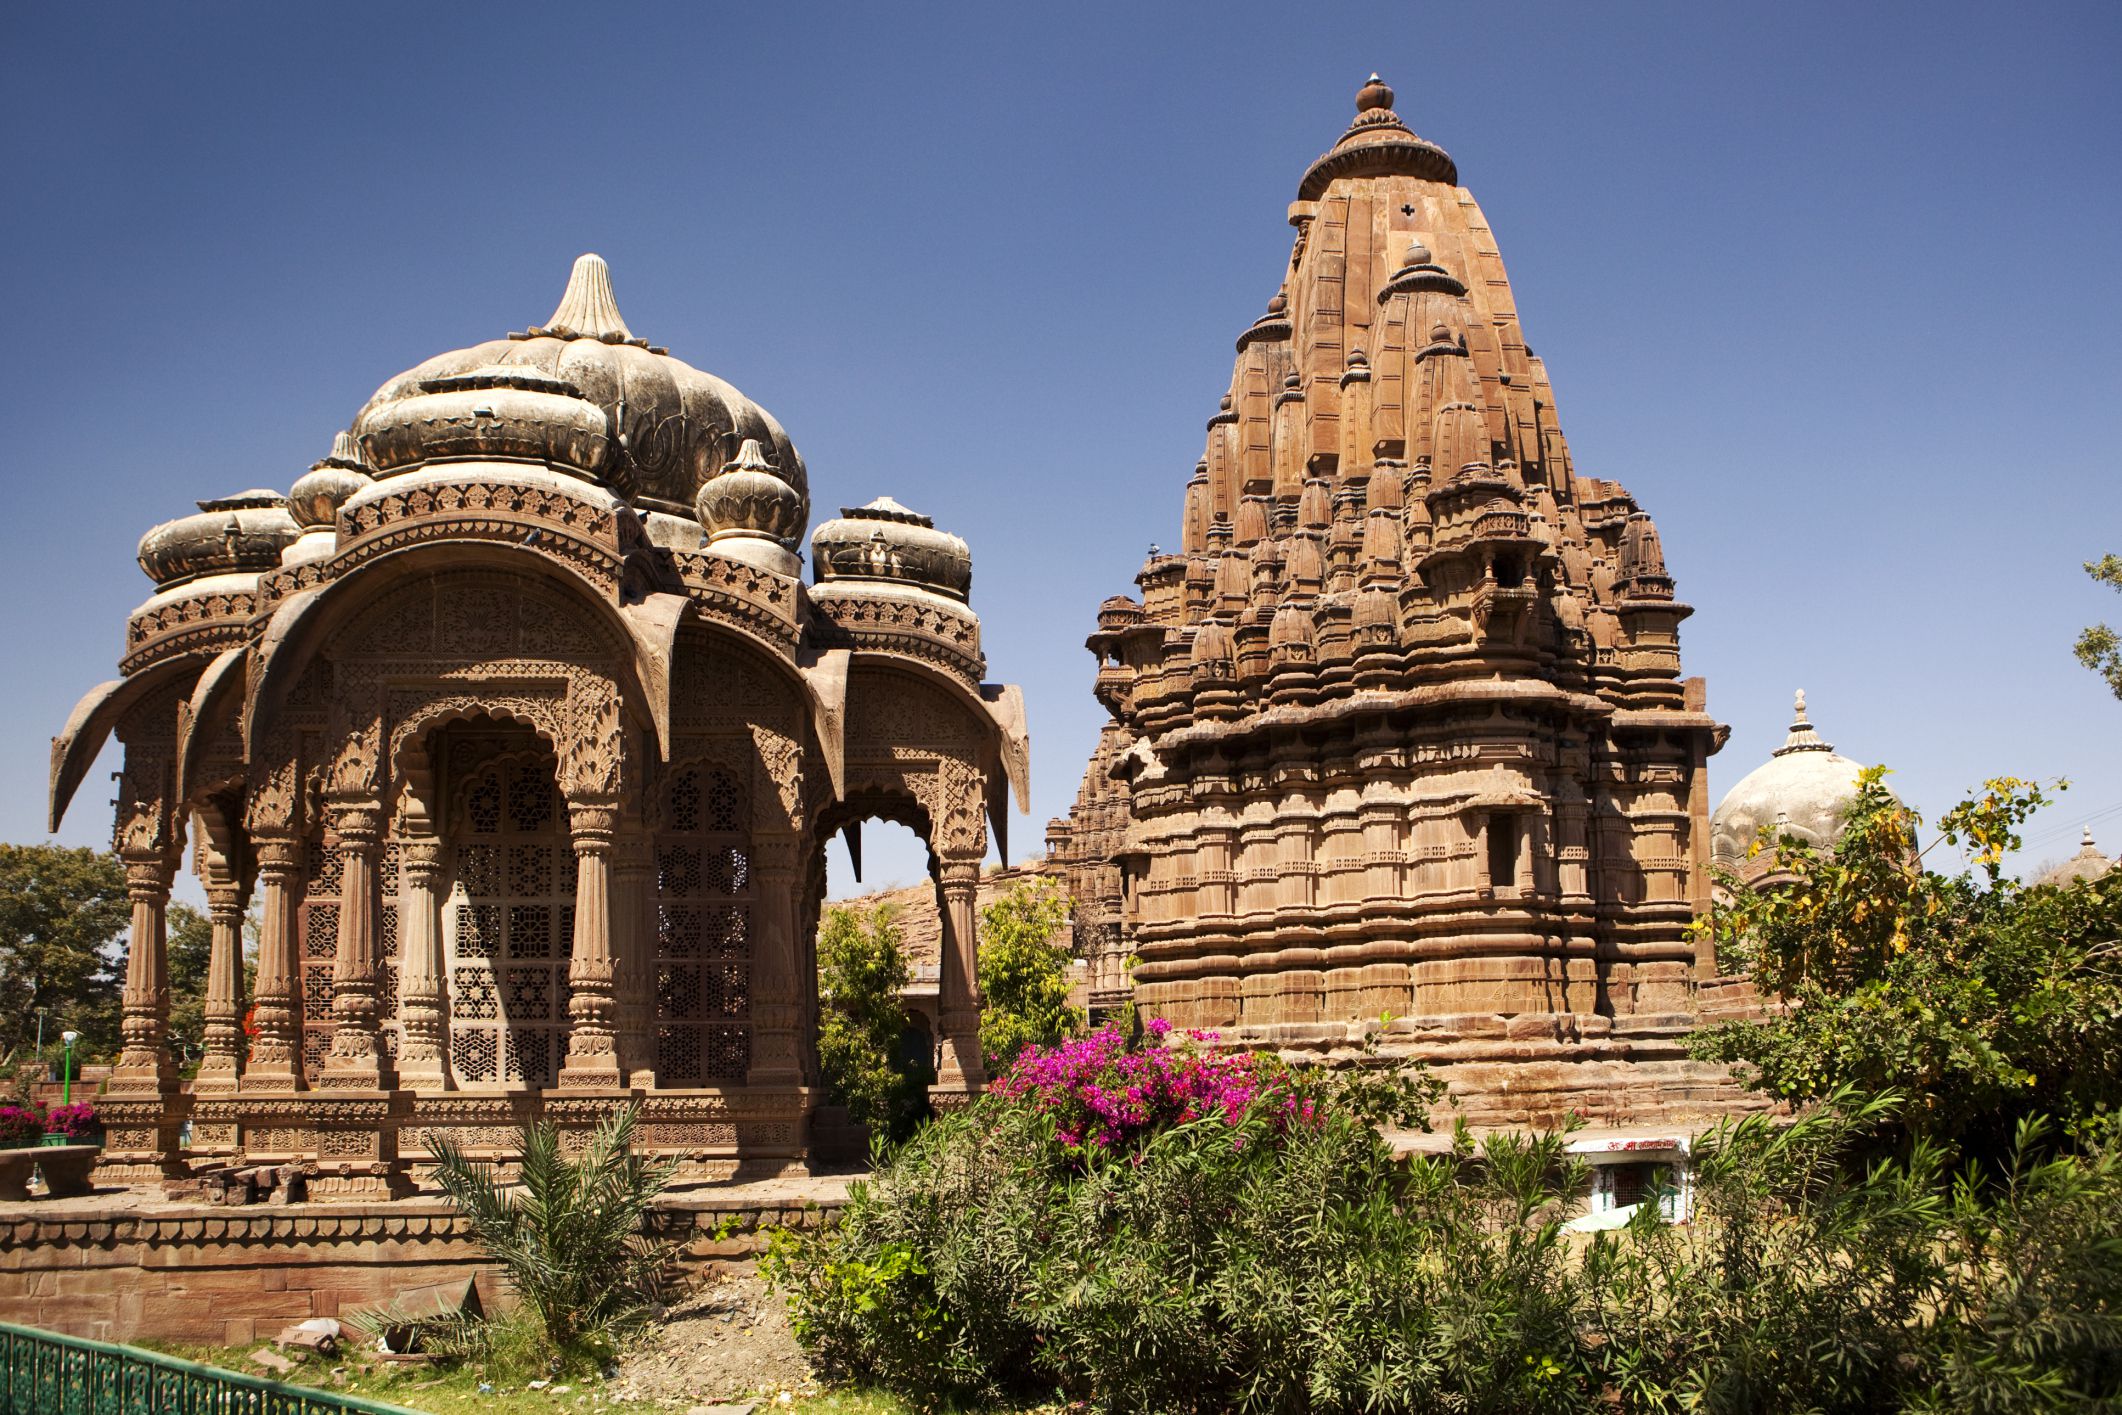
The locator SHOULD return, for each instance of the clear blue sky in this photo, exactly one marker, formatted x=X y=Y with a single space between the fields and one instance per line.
x=1833 y=289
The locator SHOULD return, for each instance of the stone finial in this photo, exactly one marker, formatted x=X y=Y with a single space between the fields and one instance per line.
x=588 y=309
x=1417 y=253
x=1802 y=737
x=1373 y=95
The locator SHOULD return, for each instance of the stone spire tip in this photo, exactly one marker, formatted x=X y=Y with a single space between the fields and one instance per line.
x=588 y=309
x=1802 y=737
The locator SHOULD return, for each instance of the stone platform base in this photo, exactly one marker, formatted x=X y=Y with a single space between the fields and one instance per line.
x=121 y=1266
x=1535 y=1070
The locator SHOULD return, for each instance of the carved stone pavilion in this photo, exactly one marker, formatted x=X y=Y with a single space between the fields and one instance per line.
x=518 y=720
x=1400 y=753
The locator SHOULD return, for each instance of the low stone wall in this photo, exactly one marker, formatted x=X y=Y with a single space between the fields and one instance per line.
x=122 y=1267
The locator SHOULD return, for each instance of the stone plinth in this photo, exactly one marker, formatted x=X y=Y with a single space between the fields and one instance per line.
x=120 y=1268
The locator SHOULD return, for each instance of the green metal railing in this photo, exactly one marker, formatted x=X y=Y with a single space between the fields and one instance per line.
x=44 y=1373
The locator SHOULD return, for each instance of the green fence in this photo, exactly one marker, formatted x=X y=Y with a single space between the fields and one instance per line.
x=45 y=1373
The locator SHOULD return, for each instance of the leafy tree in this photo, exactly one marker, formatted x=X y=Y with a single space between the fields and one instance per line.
x=862 y=972
x=2100 y=647
x=1024 y=975
x=62 y=912
x=190 y=952
x=191 y=948
x=1980 y=1000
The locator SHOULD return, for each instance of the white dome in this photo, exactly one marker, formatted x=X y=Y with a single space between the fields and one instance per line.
x=1804 y=789
x=2088 y=863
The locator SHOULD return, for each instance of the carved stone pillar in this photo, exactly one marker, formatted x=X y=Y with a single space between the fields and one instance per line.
x=423 y=1000
x=144 y=1067
x=276 y=1041
x=356 y=1061
x=633 y=943
x=959 y=1070
x=592 y=1041
x=776 y=1002
x=222 y=1061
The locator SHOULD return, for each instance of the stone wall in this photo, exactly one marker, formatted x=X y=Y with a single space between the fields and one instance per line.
x=210 y=1275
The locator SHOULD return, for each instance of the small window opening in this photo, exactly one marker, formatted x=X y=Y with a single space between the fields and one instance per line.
x=1502 y=851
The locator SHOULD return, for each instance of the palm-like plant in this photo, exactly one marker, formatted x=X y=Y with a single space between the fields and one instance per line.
x=572 y=1237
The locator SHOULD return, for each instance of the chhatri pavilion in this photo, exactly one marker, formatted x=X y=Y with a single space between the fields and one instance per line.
x=517 y=721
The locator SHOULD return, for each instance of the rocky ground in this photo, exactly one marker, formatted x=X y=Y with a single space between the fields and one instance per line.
x=727 y=1344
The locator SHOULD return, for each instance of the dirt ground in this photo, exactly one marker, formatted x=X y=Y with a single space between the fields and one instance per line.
x=727 y=1343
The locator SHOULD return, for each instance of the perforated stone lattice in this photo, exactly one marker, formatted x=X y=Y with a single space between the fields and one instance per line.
x=703 y=948
x=508 y=926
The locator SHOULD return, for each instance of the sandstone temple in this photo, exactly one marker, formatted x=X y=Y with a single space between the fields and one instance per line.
x=1400 y=754
x=518 y=722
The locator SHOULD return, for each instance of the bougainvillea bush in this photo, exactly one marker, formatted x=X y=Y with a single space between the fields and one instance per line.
x=20 y=1125
x=77 y=1122
x=1178 y=1229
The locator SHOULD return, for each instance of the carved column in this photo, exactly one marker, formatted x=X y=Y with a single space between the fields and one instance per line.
x=140 y=1107
x=423 y=1000
x=356 y=1061
x=222 y=1061
x=776 y=1001
x=959 y=1070
x=592 y=1041
x=633 y=943
x=144 y=1062
x=276 y=1042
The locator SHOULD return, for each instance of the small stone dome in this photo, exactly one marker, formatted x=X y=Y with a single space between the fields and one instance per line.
x=2087 y=864
x=885 y=541
x=1804 y=789
x=749 y=497
x=240 y=534
x=317 y=495
x=582 y=390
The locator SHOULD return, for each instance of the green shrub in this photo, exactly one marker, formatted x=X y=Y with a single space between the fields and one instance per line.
x=1259 y=1261
x=863 y=1017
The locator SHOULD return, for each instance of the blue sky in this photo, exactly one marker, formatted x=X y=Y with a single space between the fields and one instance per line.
x=1831 y=288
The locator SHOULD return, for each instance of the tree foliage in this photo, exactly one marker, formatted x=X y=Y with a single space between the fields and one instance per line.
x=1024 y=974
x=62 y=913
x=2100 y=647
x=1981 y=1000
x=863 y=1021
x=190 y=954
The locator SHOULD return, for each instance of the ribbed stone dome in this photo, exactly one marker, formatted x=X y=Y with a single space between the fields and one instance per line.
x=2088 y=863
x=1804 y=789
x=240 y=534
x=885 y=541
x=581 y=388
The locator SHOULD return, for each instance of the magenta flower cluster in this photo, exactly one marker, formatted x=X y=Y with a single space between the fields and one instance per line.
x=1103 y=1094
x=20 y=1124
x=76 y=1122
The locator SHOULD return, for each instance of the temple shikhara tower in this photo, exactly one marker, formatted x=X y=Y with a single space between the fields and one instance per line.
x=518 y=722
x=1400 y=751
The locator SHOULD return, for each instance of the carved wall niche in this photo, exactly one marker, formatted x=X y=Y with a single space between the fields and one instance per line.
x=728 y=695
